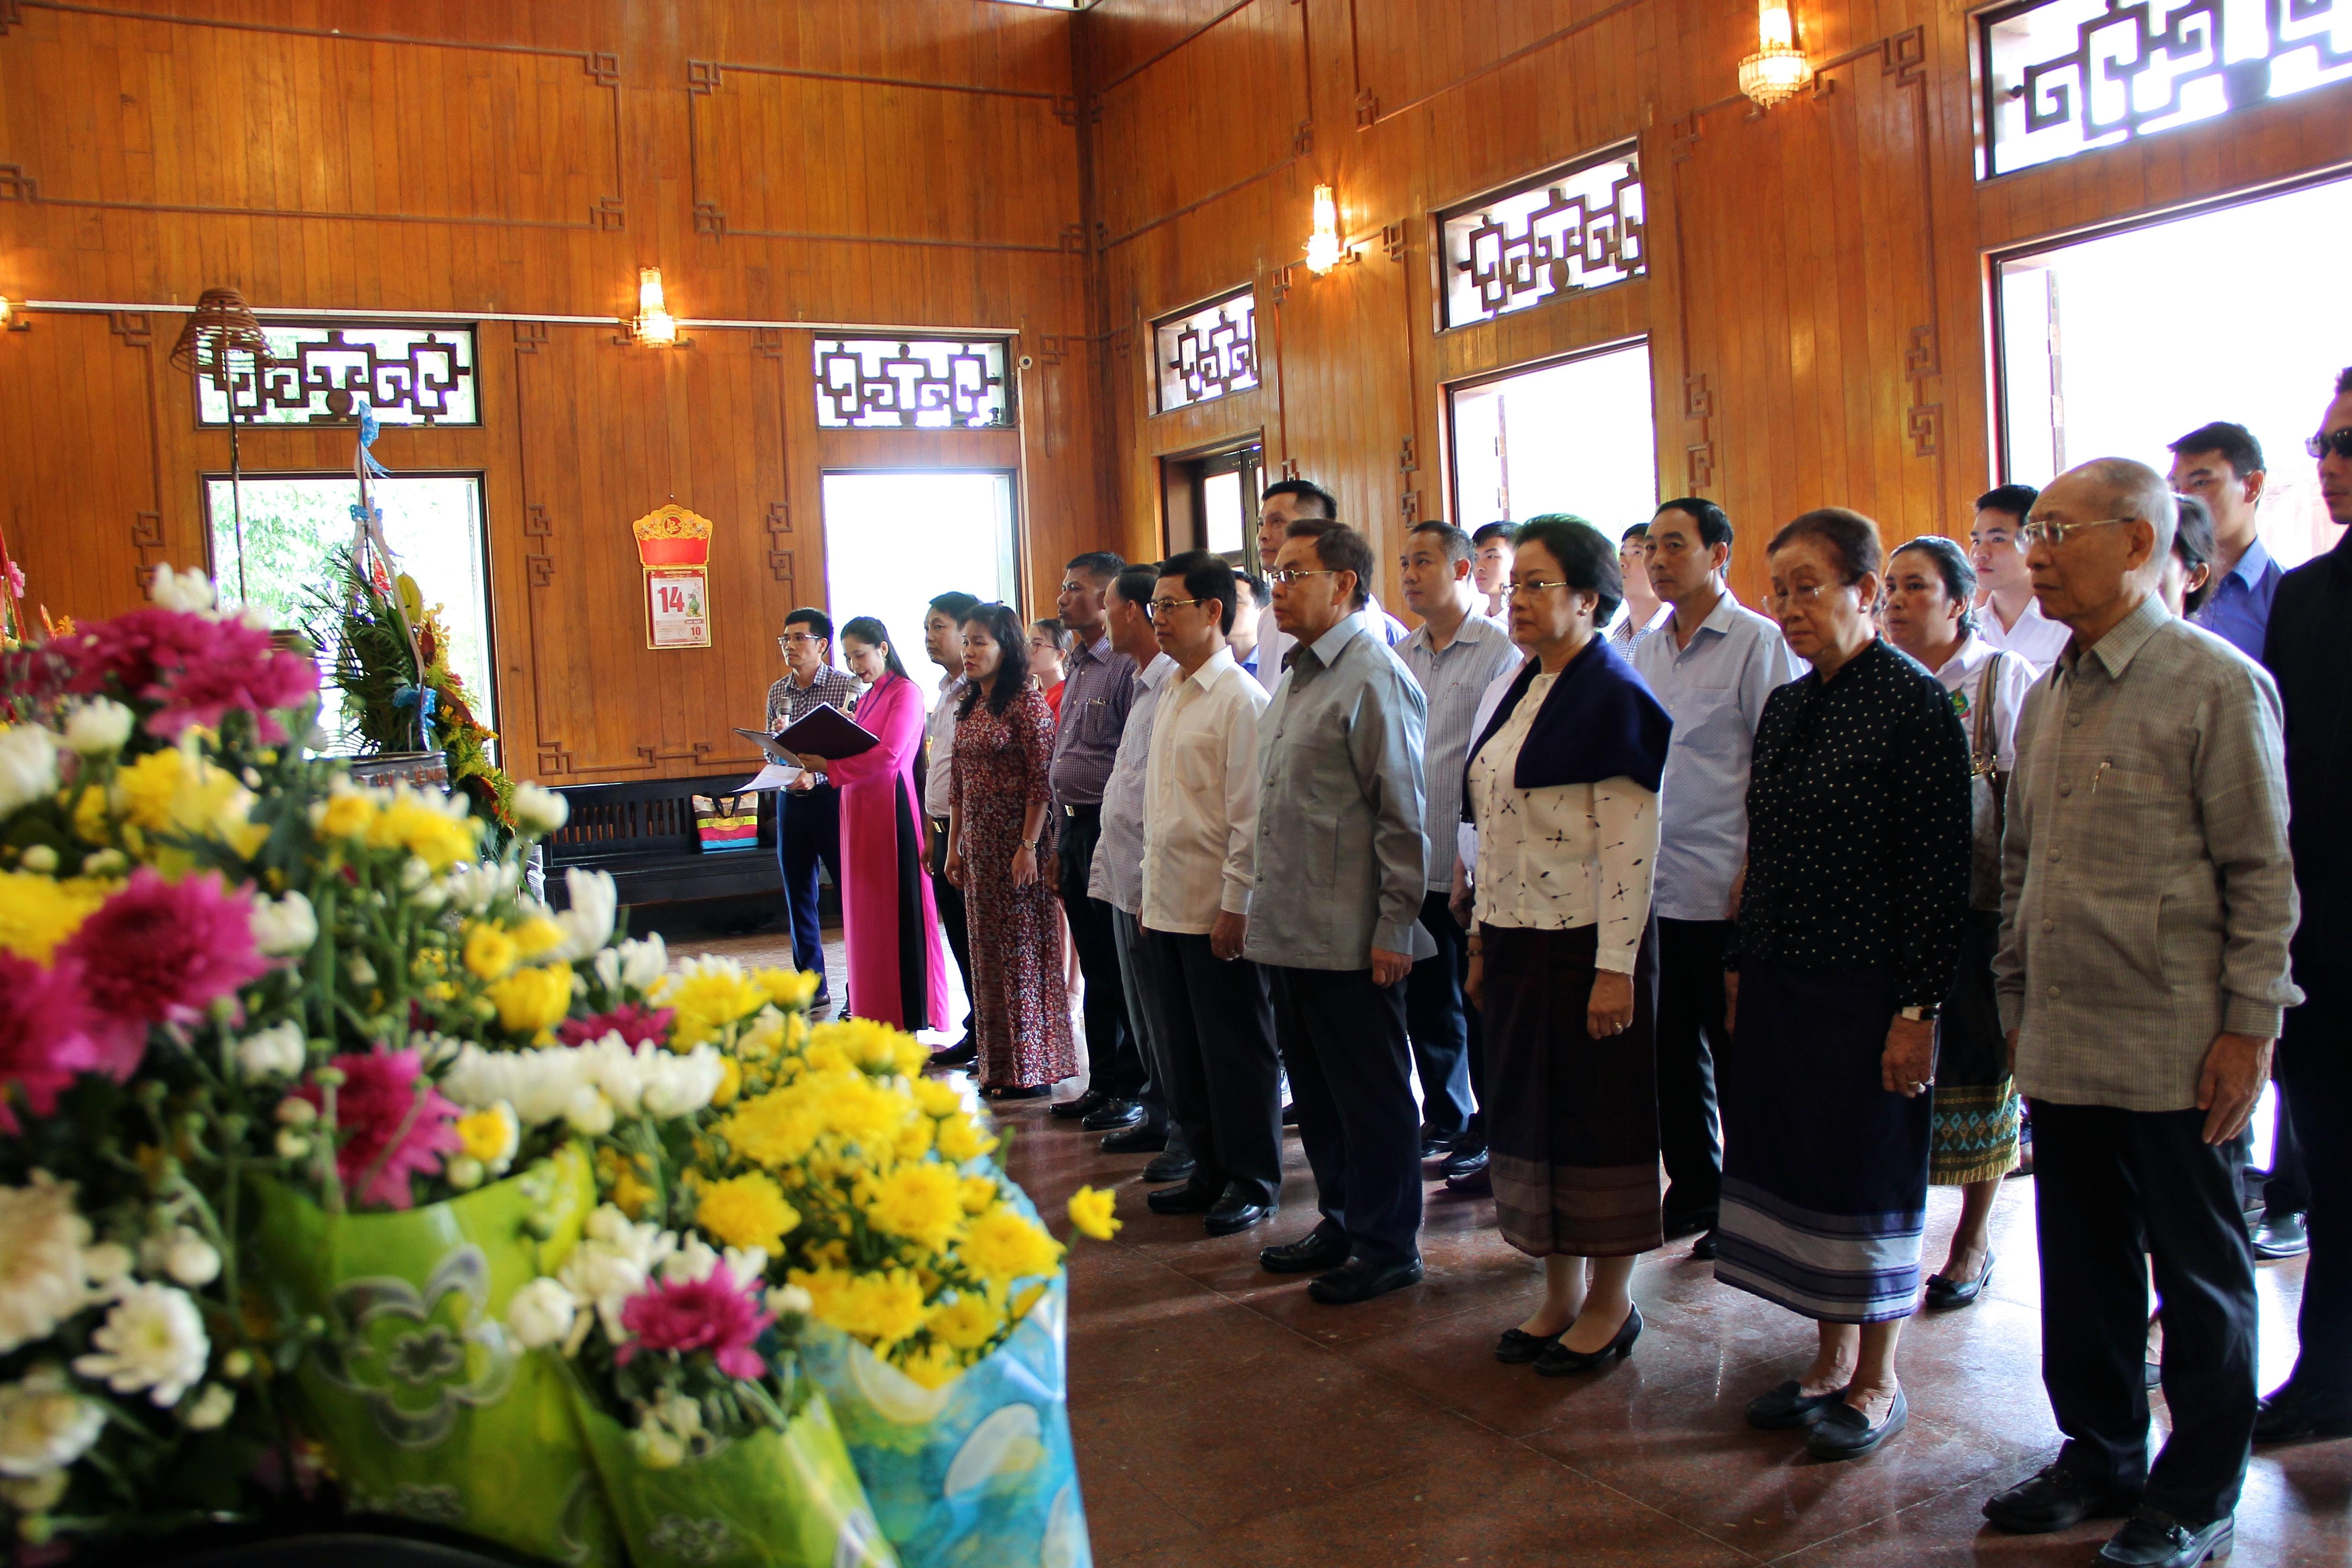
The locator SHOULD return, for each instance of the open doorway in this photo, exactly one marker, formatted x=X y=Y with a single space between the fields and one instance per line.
x=896 y=539
x=1211 y=501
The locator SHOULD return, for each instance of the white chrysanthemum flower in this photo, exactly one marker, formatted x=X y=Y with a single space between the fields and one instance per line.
x=633 y=966
x=284 y=925
x=45 y=1426
x=652 y=1080
x=590 y=1115
x=613 y=1262
x=212 y=1408
x=541 y=1313
x=181 y=1254
x=475 y=888
x=788 y=1300
x=695 y=1258
x=537 y=810
x=587 y=925
x=97 y=726
x=41 y=1265
x=190 y=591
x=539 y=1083
x=277 y=1051
x=29 y=765
x=153 y=1339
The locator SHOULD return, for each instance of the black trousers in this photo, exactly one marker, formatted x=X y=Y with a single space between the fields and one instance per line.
x=949 y=897
x=1223 y=1083
x=1690 y=1032
x=1114 y=1056
x=809 y=832
x=2315 y=1076
x=1343 y=1039
x=2286 y=1188
x=2103 y=1179
x=1439 y=1024
x=1146 y=1018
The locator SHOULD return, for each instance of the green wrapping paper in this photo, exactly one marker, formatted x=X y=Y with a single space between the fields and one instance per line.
x=774 y=1499
x=427 y=1406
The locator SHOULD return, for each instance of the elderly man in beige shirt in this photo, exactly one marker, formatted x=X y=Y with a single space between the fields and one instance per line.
x=2148 y=897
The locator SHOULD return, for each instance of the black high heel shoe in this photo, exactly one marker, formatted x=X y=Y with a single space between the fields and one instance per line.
x=1559 y=1361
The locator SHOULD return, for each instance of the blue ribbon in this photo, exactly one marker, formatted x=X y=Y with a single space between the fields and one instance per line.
x=369 y=429
x=421 y=698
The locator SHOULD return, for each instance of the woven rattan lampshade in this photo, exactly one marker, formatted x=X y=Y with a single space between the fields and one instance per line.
x=221 y=325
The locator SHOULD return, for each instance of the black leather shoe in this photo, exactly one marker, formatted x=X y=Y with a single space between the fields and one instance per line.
x=1436 y=1145
x=1789 y=1405
x=1313 y=1253
x=2289 y=1413
x=1944 y=1292
x=2054 y=1498
x=1169 y=1168
x=1474 y=1183
x=1704 y=1245
x=1189 y=1198
x=1467 y=1160
x=1356 y=1281
x=1559 y=1361
x=1141 y=1138
x=2281 y=1236
x=1517 y=1347
x=1016 y=1092
x=1845 y=1433
x=963 y=1054
x=1237 y=1210
x=1077 y=1110
x=2154 y=1539
x=1113 y=1115
x=1688 y=1221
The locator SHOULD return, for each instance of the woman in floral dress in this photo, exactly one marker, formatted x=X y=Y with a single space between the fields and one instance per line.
x=1003 y=746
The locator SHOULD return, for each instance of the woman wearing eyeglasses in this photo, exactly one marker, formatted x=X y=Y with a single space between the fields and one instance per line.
x=1849 y=933
x=1563 y=784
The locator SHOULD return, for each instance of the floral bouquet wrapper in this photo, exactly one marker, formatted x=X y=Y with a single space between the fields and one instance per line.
x=975 y=1474
x=774 y=1499
x=427 y=1406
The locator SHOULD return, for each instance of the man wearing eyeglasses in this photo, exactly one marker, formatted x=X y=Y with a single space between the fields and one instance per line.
x=2148 y=899
x=2307 y=653
x=809 y=828
x=1286 y=501
x=1335 y=916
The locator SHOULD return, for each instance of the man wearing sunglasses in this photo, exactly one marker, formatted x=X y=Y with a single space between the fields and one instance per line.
x=2307 y=652
x=2148 y=897
x=808 y=830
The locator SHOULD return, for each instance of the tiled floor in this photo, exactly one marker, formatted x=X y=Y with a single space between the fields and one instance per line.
x=1221 y=1417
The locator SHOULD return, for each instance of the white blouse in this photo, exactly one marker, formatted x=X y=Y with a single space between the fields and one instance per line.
x=1563 y=857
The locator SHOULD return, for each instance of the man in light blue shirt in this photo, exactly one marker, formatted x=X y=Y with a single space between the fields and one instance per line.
x=2221 y=465
x=1335 y=914
x=1712 y=665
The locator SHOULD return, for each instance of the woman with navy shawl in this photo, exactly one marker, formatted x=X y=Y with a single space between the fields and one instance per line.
x=1563 y=785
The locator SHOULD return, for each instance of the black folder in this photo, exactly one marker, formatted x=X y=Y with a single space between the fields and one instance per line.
x=824 y=731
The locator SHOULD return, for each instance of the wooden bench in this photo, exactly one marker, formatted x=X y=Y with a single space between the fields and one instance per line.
x=643 y=833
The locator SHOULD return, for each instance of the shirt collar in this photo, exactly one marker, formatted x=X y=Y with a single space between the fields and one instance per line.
x=2126 y=638
x=1475 y=628
x=1220 y=664
x=1161 y=668
x=2252 y=564
x=1327 y=647
x=1099 y=650
x=1726 y=612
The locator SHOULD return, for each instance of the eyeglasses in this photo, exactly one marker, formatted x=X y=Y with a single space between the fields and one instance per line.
x=786 y=642
x=2338 y=441
x=1159 y=608
x=1299 y=574
x=1807 y=593
x=2043 y=531
x=1534 y=585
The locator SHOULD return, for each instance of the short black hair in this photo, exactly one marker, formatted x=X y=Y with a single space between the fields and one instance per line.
x=1105 y=564
x=1456 y=543
x=1714 y=526
x=2015 y=500
x=2234 y=442
x=1850 y=537
x=1205 y=576
x=1061 y=637
x=1259 y=594
x=1488 y=531
x=1588 y=561
x=954 y=604
x=1952 y=562
x=1304 y=489
x=874 y=634
x=1341 y=549
x=2343 y=382
x=1639 y=530
x=1003 y=624
x=1134 y=585
x=816 y=620
x=2192 y=541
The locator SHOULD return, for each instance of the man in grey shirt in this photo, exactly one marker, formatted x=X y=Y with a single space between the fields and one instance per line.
x=1335 y=914
x=2148 y=899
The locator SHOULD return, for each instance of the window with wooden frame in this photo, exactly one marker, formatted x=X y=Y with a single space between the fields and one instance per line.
x=1570 y=228
x=909 y=384
x=1208 y=351
x=409 y=375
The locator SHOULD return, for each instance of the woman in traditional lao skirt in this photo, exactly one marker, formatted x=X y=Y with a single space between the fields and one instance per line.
x=889 y=923
x=1849 y=935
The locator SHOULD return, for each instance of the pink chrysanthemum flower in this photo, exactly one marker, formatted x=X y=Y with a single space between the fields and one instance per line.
x=47 y=1035
x=161 y=951
x=373 y=1104
x=633 y=1021
x=713 y=1314
x=196 y=667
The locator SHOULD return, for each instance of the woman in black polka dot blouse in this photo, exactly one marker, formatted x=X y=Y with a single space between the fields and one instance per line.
x=1849 y=933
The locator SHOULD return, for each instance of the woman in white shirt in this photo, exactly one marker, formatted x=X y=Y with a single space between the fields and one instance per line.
x=1562 y=782
x=1929 y=589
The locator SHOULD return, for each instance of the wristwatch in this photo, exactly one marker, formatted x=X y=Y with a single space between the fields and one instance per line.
x=1918 y=1015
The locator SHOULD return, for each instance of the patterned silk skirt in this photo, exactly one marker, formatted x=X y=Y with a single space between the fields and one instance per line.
x=1976 y=1096
x=1825 y=1172
x=1571 y=1121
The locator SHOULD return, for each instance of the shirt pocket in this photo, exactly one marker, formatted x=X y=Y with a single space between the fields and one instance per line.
x=1200 y=765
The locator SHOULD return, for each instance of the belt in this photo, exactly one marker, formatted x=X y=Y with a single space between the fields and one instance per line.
x=1082 y=811
x=938 y=822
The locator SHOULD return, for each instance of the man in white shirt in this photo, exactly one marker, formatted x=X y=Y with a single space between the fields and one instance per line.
x=1711 y=663
x=1455 y=654
x=2008 y=616
x=943 y=640
x=1200 y=843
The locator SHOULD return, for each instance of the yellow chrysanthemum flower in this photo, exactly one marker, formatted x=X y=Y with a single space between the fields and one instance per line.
x=537 y=935
x=730 y=1083
x=491 y=1135
x=409 y=821
x=933 y=1366
x=1002 y=1246
x=38 y=913
x=176 y=793
x=915 y=1138
x=871 y=1046
x=747 y=1211
x=960 y=1138
x=879 y=1308
x=774 y=1129
x=1023 y=1299
x=530 y=1000
x=348 y=815
x=921 y=1202
x=787 y=987
x=934 y=1098
x=625 y=1186
x=490 y=952
x=977 y=1193
x=1091 y=1211
x=709 y=995
x=966 y=1321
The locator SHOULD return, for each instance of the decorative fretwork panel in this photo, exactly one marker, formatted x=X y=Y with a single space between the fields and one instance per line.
x=1571 y=229
x=410 y=375
x=883 y=383
x=1207 y=353
x=2064 y=77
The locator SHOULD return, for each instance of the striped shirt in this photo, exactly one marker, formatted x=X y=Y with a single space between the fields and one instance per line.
x=1453 y=677
x=1117 y=877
